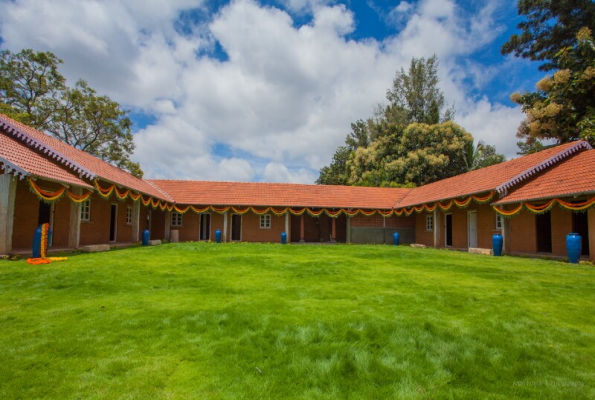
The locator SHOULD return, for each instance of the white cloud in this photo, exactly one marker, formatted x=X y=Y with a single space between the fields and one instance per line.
x=285 y=96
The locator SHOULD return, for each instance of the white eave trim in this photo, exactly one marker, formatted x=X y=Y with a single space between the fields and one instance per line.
x=575 y=148
x=31 y=141
x=11 y=168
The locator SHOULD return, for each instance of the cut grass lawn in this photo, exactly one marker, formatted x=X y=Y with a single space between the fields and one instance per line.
x=205 y=320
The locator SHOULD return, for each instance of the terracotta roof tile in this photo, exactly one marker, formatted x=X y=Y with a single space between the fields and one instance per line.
x=574 y=176
x=485 y=179
x=93 y=164
x=17 y=155
x=280 y=194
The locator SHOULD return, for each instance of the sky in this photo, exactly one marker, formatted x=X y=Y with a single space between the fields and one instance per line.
x=265 y=91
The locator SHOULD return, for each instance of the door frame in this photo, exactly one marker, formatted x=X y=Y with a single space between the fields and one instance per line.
x=51 y=222
x=231 y=229
x=469 y=228
x=200 y=222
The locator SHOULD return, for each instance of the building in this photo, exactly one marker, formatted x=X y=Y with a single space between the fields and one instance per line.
x=533 y=201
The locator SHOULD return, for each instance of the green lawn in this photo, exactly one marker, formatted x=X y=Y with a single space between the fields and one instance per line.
x=205 y=320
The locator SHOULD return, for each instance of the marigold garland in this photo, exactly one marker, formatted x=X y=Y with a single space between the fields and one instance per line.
x=542 y=208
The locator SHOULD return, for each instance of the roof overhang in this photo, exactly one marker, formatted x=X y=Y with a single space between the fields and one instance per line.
x=578 y=146
x=45 y=148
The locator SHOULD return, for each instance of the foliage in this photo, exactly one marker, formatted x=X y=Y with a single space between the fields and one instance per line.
x=563 y=108
x=421 y=154
x=257 y=321
x=337 y=173
x=481 y=156
x=415 y=96
x=550 y=26
x=33 y=91
x=30 y=84
x=407 y=142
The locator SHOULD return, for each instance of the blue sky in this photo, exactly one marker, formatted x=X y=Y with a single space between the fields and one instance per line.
x=266 y=90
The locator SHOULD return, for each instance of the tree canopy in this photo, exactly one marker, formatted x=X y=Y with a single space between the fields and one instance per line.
x=33 y=91
x=563 y=107
x=410 y=141
x=550 y=26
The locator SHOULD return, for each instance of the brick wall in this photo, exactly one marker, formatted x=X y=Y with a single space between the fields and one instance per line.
x=561 y=226
x=189 y=229
x=422 y=236
x=251 y=231
x=522 y=233
x=124 y=233
x=96 y=230
x=26 y=216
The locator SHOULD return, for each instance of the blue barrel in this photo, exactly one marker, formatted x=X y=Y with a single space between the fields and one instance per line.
x=37 y=242
x=146 y=237
x=218 y=236
x=396 y=238
x=497 y=243
x=283 y=238
x=574 y=243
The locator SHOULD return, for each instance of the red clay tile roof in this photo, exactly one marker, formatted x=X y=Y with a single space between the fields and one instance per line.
x=280 y=194
x=490 y=178
x=78 y=159
x=575 y=176
x=15 y=156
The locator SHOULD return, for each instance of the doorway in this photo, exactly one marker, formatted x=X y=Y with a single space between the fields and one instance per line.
x=113 y=223
x=46 y=216
x=580 y=225
x=543 y=227
x=472 y=229
x=205 y=227
x=236 y=227
x=448 y=229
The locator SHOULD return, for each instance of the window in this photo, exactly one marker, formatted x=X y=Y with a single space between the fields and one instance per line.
x=176 y=219
x=86 y=210
x=128 y=215
x=498 y=221
x=265 y=221
x=429 y=222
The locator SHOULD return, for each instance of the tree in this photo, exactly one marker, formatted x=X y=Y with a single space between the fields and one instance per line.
x=421 y=155
x=550 y=26
x=481 y=155
x=34 y=92
x=415 y=96
x=563 y=108
x=337 y=172
x=29 y=86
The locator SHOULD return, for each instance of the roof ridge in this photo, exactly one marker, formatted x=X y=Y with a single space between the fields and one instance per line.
x=163 y=192
x=12 y=129
x=568 y=151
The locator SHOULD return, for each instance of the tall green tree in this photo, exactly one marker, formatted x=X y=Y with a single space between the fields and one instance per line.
x=549 y=26
x=30 y=85
x=415 y=95
x=563 y=107
x=33 y=91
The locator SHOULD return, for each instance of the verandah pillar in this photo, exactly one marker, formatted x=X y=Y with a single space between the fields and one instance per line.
x=507 y=245
x=302 y=235
x=287 y=231
x=436 y=228
x=225 y=226
x=167 y=232
x=8 y=191
x=136 y=221
x=348 y=238
x=74 y=224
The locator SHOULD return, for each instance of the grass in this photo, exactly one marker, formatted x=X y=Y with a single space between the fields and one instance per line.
x=203 y=320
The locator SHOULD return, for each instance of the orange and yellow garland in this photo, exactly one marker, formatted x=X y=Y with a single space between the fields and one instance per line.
x=542 y=208
x=445 y=207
